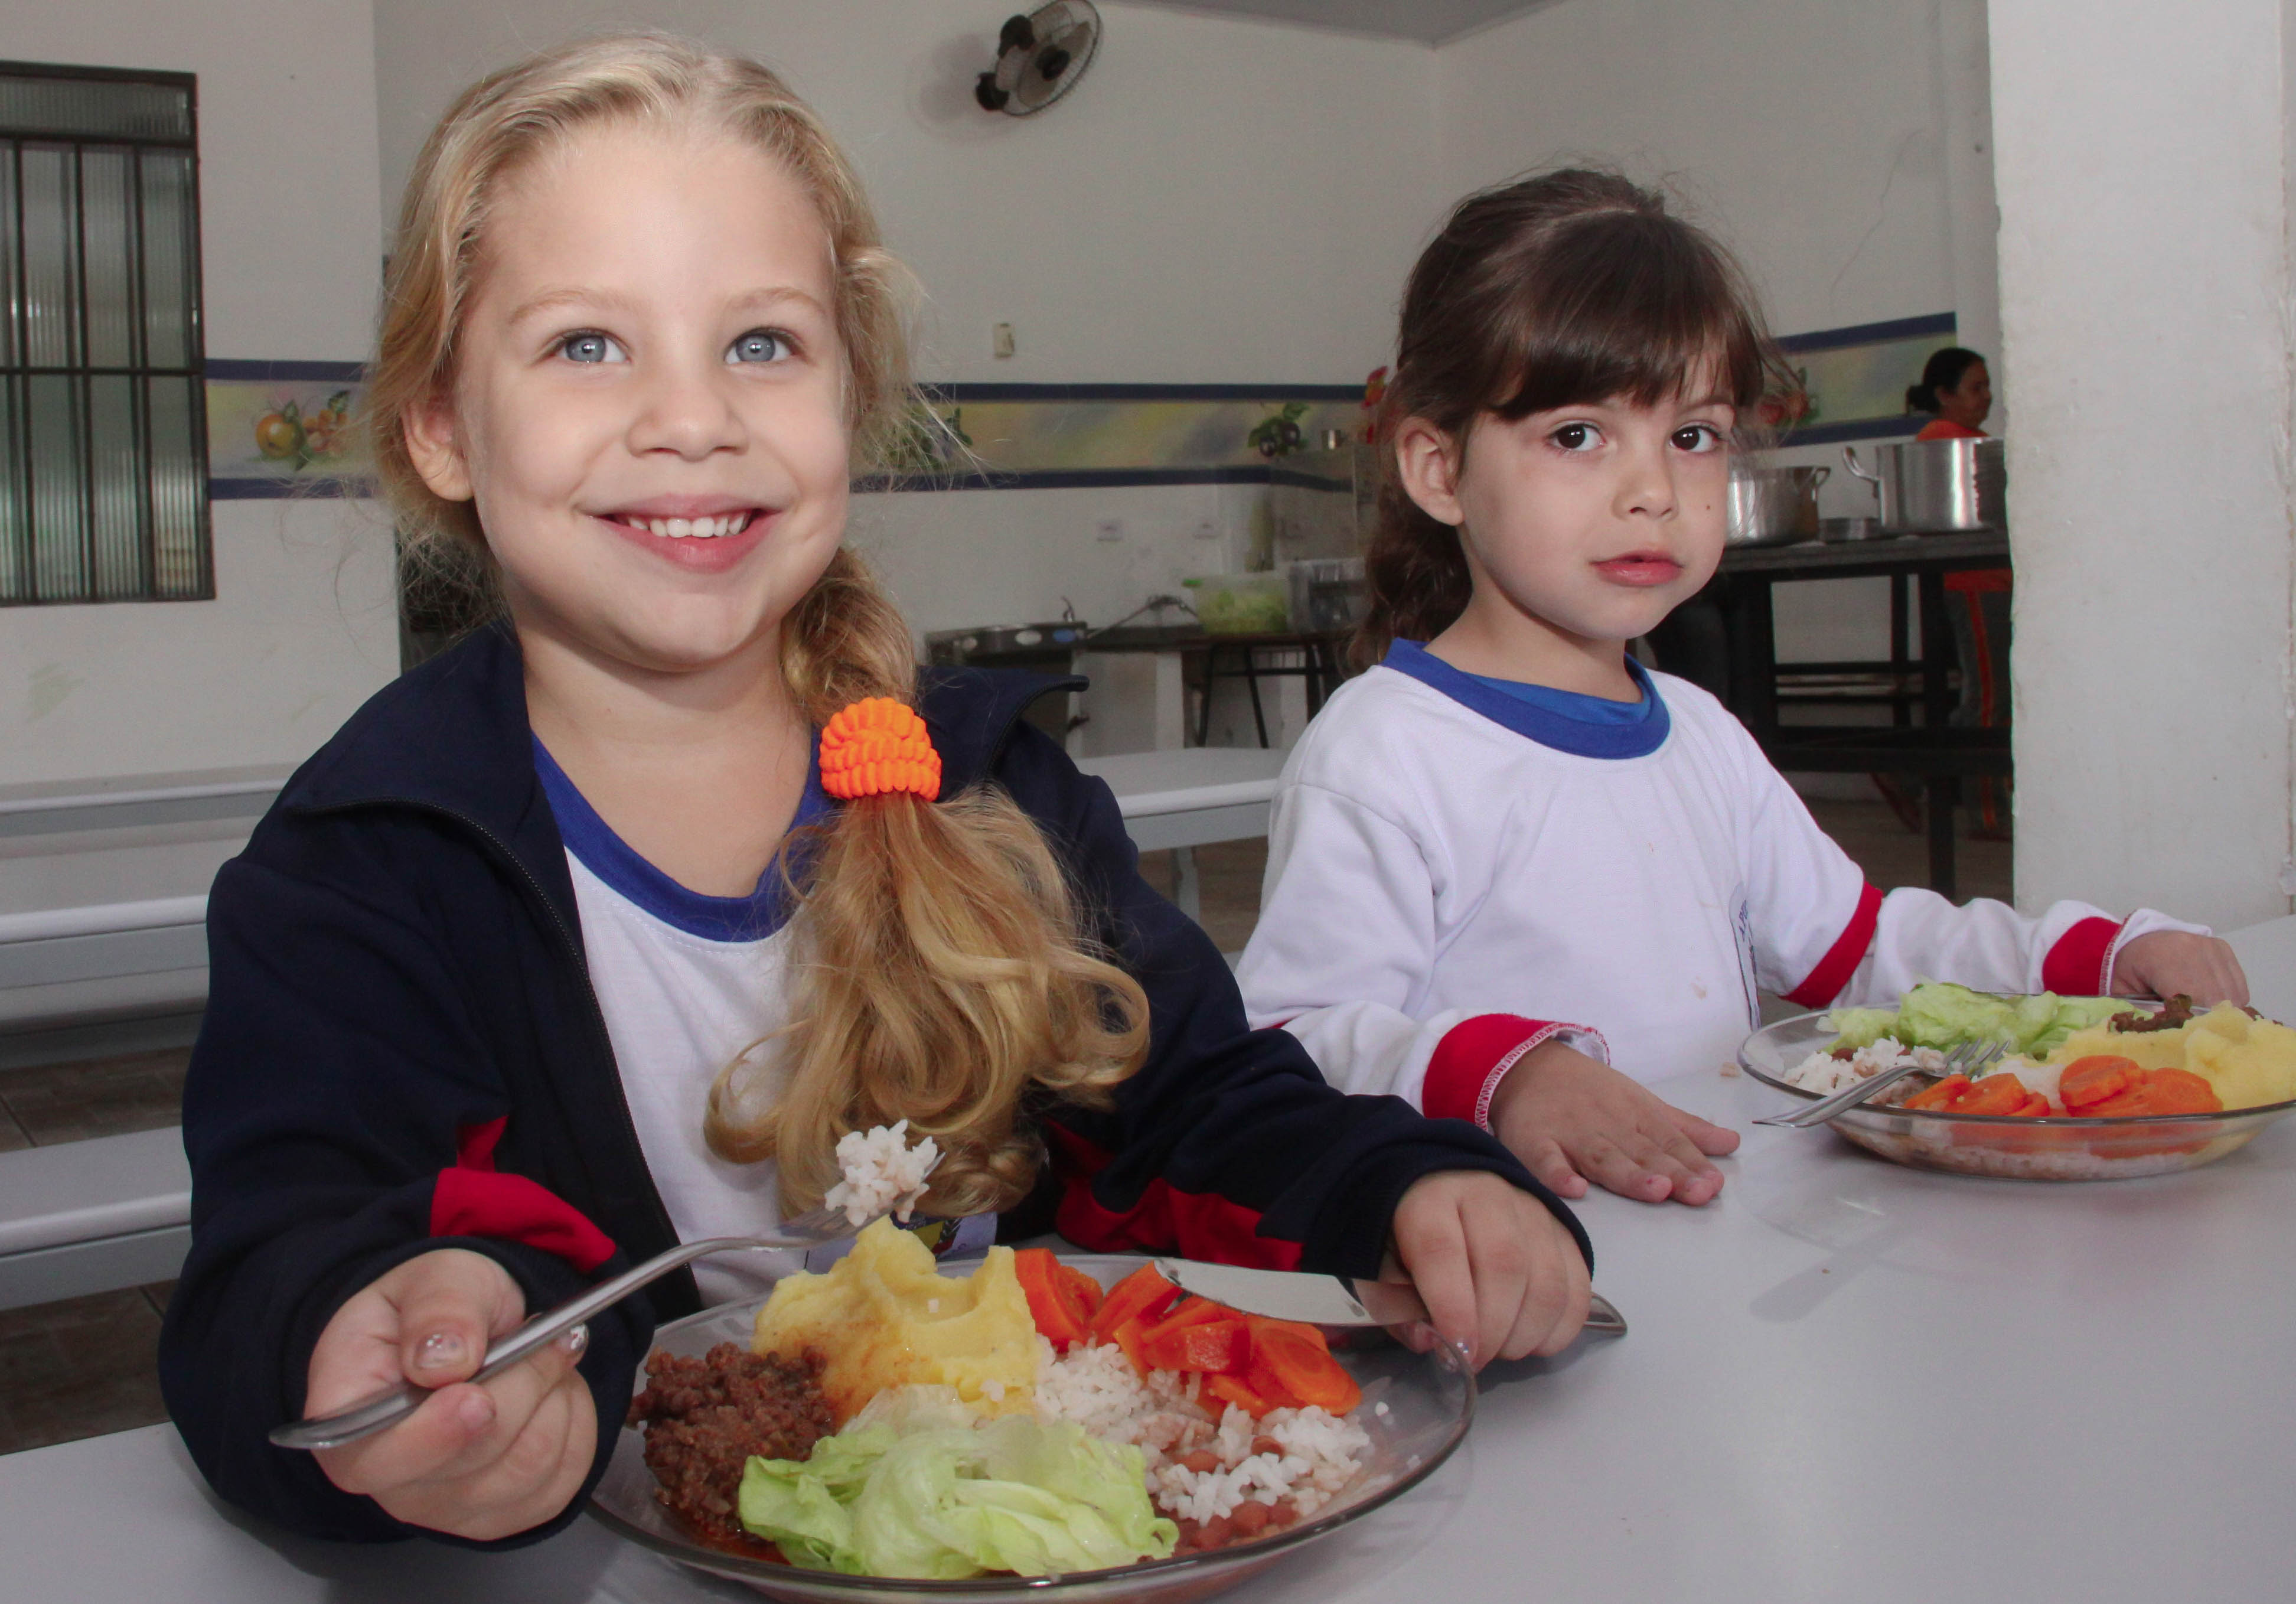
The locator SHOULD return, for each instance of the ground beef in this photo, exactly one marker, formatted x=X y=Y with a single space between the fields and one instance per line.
x=2175 y=1014
x=705 y=1417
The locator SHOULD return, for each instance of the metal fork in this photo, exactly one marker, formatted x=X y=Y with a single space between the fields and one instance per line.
x=1962 y=1059
x=381 y=1410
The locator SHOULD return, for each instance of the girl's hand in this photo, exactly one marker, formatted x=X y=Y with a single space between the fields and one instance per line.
x=477 y=1460
x=2169 y=961
x=1499 y=1274
x=1572 y=1119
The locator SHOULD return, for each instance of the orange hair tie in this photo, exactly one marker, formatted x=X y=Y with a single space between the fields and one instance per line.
x=877 y=745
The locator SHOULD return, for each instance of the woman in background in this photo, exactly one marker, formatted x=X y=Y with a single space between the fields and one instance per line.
x=1958 y=389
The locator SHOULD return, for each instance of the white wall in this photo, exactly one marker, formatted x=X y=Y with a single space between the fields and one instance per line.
x=2143 y=164
x=301 y=629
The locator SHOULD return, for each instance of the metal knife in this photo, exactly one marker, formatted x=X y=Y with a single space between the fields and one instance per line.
x=1328 y=1300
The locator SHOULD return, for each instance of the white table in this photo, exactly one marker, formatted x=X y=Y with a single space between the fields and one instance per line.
x=1845 y=1380
x=1189 y=797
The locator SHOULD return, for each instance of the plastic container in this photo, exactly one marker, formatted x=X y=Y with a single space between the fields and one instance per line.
x=1242 y=604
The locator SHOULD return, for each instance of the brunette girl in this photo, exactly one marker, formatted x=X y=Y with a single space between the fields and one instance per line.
x=569 y=945
x=1508 y=823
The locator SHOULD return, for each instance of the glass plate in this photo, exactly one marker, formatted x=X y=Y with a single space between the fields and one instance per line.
x=1430 y=1398
x=2055 y=1148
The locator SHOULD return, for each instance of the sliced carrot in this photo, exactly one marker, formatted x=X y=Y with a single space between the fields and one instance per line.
x=1142 y=1293
x=1939 y=1095
x=1231 y=1389
x=1207 y=1348
x=2096 y=1079
x=1061 y=1315
x=1191 y=1312
x=1299 y=1362
x=2003 y=1093
x=2181 y=1092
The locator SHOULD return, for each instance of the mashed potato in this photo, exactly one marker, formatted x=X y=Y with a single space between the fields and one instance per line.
x=2248 y=1061
x=884 y=1317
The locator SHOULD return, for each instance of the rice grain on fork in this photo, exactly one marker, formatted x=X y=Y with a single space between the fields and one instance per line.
x=881 y=1171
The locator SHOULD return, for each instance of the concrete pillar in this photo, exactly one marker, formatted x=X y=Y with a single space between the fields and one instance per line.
x=2142 y=162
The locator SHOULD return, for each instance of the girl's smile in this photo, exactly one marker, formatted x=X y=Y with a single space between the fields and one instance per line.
x=700 y=534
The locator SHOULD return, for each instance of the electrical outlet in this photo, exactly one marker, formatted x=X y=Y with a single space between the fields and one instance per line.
x=1001 y=340
x=1109 y=529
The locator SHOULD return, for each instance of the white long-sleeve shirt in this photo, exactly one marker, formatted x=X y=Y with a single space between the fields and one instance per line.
x=1454 y=873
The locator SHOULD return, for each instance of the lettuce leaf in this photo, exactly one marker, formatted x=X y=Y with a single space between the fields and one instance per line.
x=950 y=1502
x=1940 y=1015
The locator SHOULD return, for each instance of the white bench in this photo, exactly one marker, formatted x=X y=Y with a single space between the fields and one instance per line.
x=91 y=1216
x=1188 y=797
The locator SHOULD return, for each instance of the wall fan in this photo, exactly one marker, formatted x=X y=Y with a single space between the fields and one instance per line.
x=1039 y=57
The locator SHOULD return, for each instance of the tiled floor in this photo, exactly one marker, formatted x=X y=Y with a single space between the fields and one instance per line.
x=78 y=1368
x=86 y=1365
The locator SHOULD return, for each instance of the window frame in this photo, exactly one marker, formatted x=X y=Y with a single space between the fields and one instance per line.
x=19 y=372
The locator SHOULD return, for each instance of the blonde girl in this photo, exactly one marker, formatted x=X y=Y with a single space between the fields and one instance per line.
x=594 y=934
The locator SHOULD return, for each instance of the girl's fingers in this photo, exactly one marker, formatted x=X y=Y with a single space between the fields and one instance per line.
x=1546 y=1160
x=450 y=1304
x=1499 y=1259
x=458 y=1434
x=1710 y=1139
x=1612 y=1167
x=1431 y=1242
x=517 y=1397
x=422 y=1445
x=1699 y=1179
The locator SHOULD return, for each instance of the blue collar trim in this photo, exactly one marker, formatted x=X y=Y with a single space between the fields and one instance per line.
x=592 y=841
x=1548 y=727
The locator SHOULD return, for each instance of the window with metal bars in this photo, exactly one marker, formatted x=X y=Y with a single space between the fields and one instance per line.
x=103 y=484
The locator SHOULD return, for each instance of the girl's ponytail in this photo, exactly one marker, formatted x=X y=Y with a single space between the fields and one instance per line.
x=943 y=969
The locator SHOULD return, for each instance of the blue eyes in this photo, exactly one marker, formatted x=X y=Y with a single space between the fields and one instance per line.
x=758 y=345
x=589 y=346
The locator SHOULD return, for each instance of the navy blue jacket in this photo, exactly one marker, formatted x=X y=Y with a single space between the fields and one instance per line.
x=402 y=1051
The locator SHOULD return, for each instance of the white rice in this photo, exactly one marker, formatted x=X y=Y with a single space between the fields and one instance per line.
x=1320 y=1454
x=1823 y=1073
x=881 y=1171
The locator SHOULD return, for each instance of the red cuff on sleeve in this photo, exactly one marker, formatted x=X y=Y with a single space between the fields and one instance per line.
x=1474 y=1056
x=473 y=1200
x=1199 y=1225
x=1824 y=983
x=2076 y=965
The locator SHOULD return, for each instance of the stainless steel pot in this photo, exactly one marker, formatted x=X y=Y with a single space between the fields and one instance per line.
x=1937 y=487
x=1772 y=506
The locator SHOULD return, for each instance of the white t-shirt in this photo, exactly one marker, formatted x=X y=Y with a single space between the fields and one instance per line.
x=686 y=983
x=1454 y=872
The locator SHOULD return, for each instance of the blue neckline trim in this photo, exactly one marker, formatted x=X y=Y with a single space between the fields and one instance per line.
x=1579 y=737
x=592 y=841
